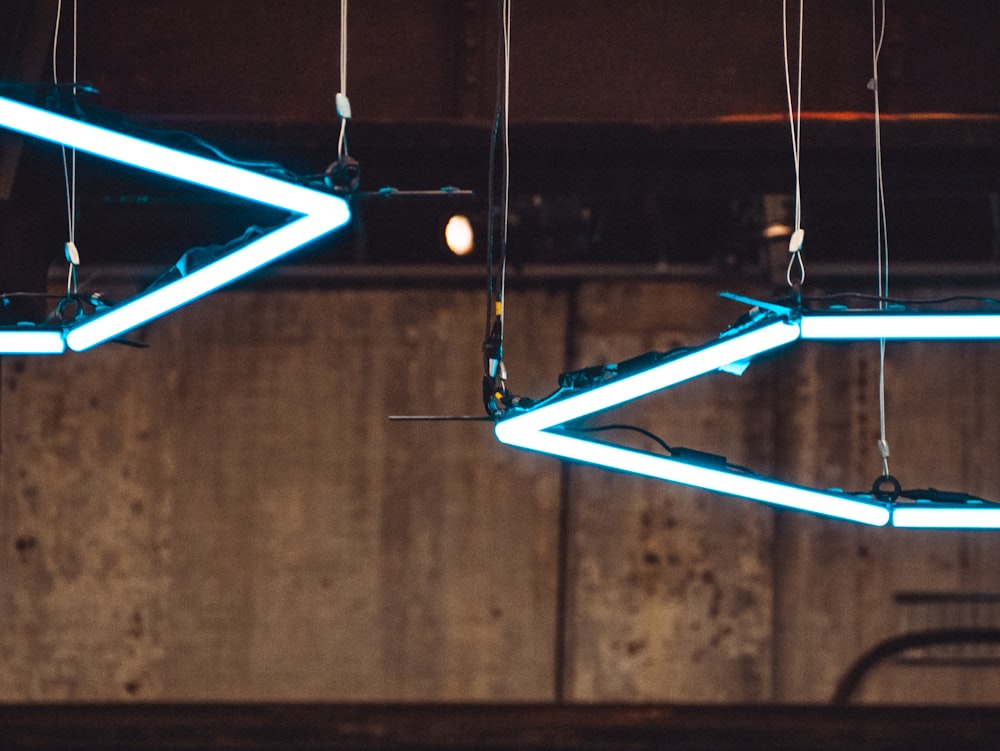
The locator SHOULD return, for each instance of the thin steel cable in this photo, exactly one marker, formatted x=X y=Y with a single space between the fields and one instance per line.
x=491 y=188
x=882 y=232
x=342 y=139
x=499 y=192
x=68 y=155
x=795 y=124
x=506 y=160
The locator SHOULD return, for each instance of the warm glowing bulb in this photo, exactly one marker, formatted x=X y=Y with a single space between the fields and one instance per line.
x=776 y=230
x=459 y=235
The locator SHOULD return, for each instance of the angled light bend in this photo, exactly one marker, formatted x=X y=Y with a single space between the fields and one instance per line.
x=535 y=430
x=539 y=428
x=321 y=213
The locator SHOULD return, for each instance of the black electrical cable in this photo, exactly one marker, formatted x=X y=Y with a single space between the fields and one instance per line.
x=491 y=192
x=676 y=452
x=634 y=428
x=267 y=167
x=900 y=300
x=852 y=679
x=495 y=395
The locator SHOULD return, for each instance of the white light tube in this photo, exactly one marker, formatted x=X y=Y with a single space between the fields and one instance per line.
x=720 y=481
x=151 y=157
x=157 y=301
x=703 y=360
x=889 y=325
x=32 y=342
x=922 y=516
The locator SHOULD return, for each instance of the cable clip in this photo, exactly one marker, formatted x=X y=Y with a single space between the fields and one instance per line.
x=343 y=106
x=344 y=175
x=883 y=448
x=72 y=254
x=796 y=240
x=795 y=255
x=496 y=397
x=887 y=495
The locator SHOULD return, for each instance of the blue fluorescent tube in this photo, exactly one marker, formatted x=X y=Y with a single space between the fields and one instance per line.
x=162 y=160
x=706 y=359
x=32 y=342
x=157 y=301
x=926 y=516
x=730 y=483
x=849 y=326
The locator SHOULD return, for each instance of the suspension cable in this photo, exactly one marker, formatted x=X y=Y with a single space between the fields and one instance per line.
x=795 y=122
x=882 y=232
x=68 y=155
x=494 y=379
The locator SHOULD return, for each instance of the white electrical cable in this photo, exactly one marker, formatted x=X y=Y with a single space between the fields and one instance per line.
x=506 y=154
x=882 y=232
x=343 y=47
x=69 y=162
x=795 y=123
x=495 y=371
x=878 y=35
x=343 y=103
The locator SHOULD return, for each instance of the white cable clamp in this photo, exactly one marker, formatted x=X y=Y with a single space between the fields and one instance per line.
x=883 y=448
x=796 y=240
x=343 y=106
x=72 y=254
x=498 y=369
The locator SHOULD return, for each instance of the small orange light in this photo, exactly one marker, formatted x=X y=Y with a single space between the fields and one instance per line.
x=459 y=236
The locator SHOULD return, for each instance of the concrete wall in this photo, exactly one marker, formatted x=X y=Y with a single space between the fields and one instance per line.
x=229 y=515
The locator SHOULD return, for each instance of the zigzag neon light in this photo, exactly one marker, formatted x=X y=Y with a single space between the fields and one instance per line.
x=319 y=214
x=542 y=428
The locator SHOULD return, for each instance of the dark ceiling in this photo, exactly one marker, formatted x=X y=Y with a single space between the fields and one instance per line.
x=644 y=133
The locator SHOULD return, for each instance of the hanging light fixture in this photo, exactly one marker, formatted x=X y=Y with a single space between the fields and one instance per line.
x=315 y=214
x=546 y=427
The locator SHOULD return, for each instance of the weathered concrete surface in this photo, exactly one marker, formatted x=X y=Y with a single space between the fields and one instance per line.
x=671 y=587
x=835 y=584
x=231 y=515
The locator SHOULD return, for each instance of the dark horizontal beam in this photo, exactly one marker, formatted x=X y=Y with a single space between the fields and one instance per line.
x=654 y=197
x=321 y=276
x=283 y=727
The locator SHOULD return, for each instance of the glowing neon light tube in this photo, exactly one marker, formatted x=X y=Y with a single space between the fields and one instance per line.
x=159 y=300
x=925 y=516
x=889 y=325
x=162 y=160
x=730 y=483
x=703 y=360
x=32 y=342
